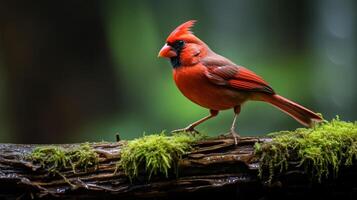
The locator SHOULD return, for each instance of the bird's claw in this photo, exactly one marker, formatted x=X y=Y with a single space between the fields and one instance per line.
x=236 y=137
x=233 y=134
x=188 y=129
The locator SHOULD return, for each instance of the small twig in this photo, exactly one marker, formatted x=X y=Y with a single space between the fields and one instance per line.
x=117 y=137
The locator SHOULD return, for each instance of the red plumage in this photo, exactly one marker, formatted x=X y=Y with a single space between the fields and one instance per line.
x=216 y=83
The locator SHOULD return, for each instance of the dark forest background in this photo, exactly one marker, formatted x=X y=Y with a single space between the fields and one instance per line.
x=83 y=70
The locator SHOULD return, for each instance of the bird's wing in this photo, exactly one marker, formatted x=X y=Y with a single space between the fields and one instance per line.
x=237 y=77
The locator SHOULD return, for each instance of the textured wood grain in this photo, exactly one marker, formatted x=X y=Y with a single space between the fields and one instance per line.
x=216 y=167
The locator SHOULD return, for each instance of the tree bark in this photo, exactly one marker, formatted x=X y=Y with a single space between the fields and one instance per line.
x=215 y=169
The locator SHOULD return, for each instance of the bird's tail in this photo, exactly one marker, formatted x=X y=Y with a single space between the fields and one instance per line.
x=298 y=112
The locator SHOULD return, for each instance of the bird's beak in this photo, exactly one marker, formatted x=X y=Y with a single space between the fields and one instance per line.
x=167 y=52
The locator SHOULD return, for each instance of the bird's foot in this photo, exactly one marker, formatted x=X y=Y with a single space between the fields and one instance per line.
x=188 y=129
x=233 y=134
x=236 y=137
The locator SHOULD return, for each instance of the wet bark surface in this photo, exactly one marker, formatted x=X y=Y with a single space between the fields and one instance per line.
x=215 y=169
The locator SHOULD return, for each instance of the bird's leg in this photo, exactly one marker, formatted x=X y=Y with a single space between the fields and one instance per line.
x=191 y=127
x=234 y=134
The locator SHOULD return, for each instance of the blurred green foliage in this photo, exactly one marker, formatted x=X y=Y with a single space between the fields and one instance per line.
x=284 y=42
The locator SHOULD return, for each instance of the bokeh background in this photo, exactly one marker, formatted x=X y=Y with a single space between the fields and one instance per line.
x=83 y=70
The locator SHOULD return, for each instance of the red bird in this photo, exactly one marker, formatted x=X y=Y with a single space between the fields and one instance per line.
x=214 y=82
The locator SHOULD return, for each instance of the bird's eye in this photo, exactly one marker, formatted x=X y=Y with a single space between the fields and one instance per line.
x=179 y=44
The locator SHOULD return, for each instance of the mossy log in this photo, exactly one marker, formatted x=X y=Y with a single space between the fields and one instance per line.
x=216 y=168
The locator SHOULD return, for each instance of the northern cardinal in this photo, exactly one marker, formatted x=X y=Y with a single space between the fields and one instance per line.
x=214 y=82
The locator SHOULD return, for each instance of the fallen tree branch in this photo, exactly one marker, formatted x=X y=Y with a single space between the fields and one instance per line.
x=214 y=168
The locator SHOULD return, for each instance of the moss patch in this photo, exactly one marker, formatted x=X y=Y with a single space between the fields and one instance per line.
x=155 y=154
x=320 y=150
x=54 y=158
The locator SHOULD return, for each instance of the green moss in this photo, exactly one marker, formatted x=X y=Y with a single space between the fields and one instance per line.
x=51 y=158
x=54 y=158
x=320 y=150
x=155 y=154
x=83 y=157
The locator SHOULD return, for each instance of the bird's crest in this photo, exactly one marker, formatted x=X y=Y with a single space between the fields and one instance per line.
x=183 y=29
